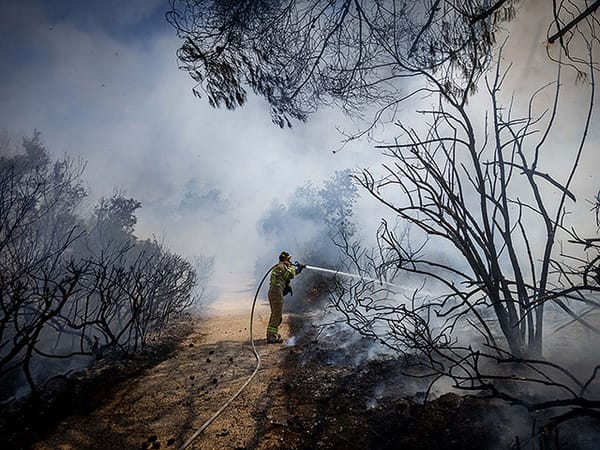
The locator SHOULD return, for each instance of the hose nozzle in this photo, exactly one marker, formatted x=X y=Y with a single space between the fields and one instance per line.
x=299 y=266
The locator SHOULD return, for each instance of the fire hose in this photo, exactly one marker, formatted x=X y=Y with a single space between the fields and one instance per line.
x=239 y=391
x=255 y=352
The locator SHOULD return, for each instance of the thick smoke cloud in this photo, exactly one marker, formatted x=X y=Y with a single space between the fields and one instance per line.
x=102 y=83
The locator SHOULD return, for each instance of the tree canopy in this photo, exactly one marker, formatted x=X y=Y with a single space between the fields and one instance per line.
x=300 y=55
x=303 y=54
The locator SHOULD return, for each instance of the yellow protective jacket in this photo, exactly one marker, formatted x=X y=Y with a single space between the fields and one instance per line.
x=281 y=275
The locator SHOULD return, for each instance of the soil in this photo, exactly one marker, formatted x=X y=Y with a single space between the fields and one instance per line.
x=310 y=392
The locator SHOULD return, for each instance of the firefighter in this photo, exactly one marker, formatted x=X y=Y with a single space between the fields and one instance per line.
x=279 y=286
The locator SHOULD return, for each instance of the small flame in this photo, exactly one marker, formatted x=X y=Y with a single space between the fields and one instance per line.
x=313 y=294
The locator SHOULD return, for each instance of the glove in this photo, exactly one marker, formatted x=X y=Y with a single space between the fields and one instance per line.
x=299 y=267
x=287 y=290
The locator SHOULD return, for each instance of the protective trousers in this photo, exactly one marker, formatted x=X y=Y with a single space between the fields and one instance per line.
x=276 y=302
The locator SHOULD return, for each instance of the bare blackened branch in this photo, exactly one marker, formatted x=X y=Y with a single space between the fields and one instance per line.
x=566 y=28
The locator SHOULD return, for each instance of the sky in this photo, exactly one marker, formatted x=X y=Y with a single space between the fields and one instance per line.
x=100 y=80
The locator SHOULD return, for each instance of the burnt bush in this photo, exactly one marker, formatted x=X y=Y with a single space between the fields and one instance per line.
x=74 y=289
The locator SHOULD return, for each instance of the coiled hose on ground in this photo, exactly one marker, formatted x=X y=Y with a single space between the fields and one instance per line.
x=239 y=391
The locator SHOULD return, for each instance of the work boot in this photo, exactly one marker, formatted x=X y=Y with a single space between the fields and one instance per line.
x=273 y=338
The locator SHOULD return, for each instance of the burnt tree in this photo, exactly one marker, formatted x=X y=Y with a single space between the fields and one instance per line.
x=73 y=290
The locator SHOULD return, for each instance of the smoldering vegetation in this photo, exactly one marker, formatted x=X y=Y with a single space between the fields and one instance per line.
x=76 y=284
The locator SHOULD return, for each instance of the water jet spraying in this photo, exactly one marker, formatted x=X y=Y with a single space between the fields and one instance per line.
x=350 y=275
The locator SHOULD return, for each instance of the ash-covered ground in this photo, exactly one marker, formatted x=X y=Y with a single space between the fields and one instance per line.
x=320 y=390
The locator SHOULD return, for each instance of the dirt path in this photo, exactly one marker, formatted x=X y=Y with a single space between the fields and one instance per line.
x=323 y=392
x=166 y=405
